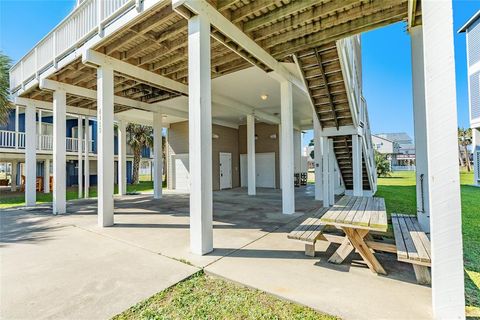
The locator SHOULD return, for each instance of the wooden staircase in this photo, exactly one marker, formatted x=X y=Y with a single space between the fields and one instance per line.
x=342 y=146
x=323 y=76
x=322 y=72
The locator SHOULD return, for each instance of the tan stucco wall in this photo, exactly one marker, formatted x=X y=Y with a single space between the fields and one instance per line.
x=263 y=144
x=227 y=142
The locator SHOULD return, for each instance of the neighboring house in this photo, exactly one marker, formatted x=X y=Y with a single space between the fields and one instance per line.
x=387 y=147
x=406 y=149
x=472 y=30
x=12 y=149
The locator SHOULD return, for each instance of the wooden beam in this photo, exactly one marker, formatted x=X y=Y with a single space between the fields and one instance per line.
x=294 y=21
x=341 y=31
x=169 y=47
x=98 y=59
x=227 y=28
x=281 y=13
x=141 y=28
x=173 y=31
x=223 y=5
x=412 y=10
x=252 y=8
x=327 y=24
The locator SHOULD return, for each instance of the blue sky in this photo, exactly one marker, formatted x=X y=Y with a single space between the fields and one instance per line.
x=385 y=54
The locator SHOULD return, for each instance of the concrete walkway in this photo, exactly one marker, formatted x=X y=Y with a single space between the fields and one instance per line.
x=66 y=267
x=52 y=268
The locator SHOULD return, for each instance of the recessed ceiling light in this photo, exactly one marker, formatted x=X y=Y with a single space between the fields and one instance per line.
x=264 y=97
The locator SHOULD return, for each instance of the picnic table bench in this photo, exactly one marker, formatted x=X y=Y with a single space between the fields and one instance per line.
x=309 y=231
x=413 y=245
x=356 y=216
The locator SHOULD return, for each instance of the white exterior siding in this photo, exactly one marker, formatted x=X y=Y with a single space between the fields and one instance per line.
x=473 y=58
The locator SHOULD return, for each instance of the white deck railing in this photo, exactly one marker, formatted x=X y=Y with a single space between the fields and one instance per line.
x=7 y=138
x=44 y=142
x=86 y=20
x=72 y=144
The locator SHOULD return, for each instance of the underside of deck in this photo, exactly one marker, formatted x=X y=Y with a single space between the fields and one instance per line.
x=157 y=42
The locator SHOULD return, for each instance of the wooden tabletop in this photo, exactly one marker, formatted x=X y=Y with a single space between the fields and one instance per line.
x=358 y=212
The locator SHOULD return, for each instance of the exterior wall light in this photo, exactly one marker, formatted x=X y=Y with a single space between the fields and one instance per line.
x=215 y=136
x=273 y=136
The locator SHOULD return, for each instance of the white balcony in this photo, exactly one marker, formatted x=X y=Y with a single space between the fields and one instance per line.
x=86 y=20
x=8 y=140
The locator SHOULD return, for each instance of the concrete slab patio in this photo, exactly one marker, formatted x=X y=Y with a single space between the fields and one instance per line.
x=67 y=267
x=53 y=269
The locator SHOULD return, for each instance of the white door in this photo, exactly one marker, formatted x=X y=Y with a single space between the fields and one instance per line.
x=225 y=170
x=264 y=167
x=181 y=172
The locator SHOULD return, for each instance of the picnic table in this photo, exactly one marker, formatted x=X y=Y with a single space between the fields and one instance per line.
x=357 y=216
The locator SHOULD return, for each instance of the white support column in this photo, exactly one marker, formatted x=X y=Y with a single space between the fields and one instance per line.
x=30 y=156
x=326 y=174
x=13 y=183
x=59 y=158
x=80 y=156
x=157 y=156
x=448 y=295
x=317 y=153
x=39 y=133
x=476 y=150
x=297 y=150
x=357 y=165
x=286 y=151
x=200 y=135
x=168 y=160
x=252 y=186
x=105 y=158
x=419 y=113
x=87 y=158
x=280 y=153
x=46 y=176
x=122 y=158
x=331 y=172
x=17 y=128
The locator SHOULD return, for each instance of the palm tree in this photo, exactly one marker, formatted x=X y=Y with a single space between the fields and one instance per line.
x=464 y=140
x=382 y=164
x=138 y=137
x=4 y=88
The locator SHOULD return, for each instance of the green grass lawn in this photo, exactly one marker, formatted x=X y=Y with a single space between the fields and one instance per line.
x=18 y=199
x=205 y=297
x=399 y=193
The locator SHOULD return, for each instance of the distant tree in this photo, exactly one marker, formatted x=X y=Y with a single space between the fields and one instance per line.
x=5 y=104
x=382 y=164
x=464 y=140
x=312 y=153
x=138 y=137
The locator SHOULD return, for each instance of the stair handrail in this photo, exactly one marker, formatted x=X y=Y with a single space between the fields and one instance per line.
x=349 y=53
x=368 y=148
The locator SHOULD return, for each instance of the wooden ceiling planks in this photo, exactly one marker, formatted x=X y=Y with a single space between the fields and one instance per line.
x=158 y=42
